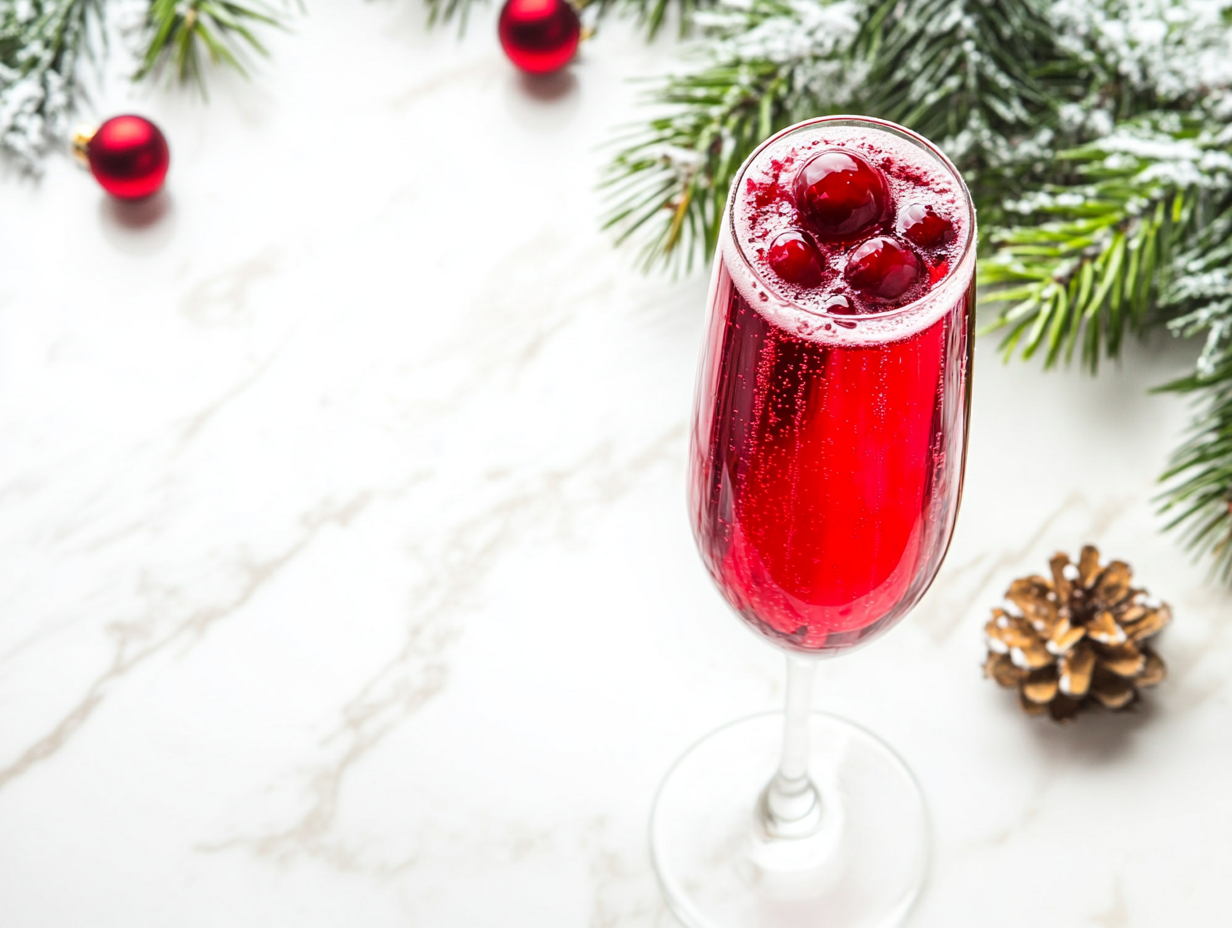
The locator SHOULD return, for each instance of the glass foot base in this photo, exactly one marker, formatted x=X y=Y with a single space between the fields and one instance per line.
x=719 y=868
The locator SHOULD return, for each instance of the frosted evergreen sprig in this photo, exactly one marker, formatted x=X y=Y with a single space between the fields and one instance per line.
x=773 y=63
x=978 y=75
x=1118 y=247
x=1148 y=53
x=44 y=45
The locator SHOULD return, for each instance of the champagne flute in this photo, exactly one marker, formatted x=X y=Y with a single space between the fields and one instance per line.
x=826 y=465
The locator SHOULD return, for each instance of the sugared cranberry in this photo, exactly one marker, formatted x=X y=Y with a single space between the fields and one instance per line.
x=841 y=194
x=795 y=259
x=882 y=267
x=838 y=305
x=920 y=223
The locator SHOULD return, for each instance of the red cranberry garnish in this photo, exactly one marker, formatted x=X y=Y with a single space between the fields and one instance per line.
x=838 y=305
x=921 y=224
x=841 y=194
x=882 y=267
x=795 y=259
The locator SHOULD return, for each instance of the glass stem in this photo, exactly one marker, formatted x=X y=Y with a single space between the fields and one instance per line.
x=790 y=806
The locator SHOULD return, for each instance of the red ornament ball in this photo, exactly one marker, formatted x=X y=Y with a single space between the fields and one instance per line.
x=129 y=157
x=539 y=36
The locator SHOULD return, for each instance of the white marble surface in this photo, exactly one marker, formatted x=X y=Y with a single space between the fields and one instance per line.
x=344 y=571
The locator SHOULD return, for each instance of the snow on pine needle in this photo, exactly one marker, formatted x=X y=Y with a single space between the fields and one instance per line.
x=1168 y=48
x=42 y=44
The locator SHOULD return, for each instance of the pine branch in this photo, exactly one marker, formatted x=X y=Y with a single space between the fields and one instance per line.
x=42 y=44
x=977 y=77
x=776 y=62
x=1146 y=54
x=1104 y=261
x=1199 y=497
x=675 y=177
x=184 y=35
x=443 y=11
x=1089 y=276
x=1199 y=500
x=980 y=76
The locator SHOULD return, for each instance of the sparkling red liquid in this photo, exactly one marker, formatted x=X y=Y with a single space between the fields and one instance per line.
x=827 y=463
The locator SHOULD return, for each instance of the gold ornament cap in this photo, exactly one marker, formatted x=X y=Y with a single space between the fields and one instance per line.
x=80 y=143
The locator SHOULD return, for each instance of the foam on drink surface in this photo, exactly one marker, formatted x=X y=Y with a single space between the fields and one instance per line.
x=763 y=207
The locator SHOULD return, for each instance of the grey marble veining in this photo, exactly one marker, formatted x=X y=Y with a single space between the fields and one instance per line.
x=344 y=571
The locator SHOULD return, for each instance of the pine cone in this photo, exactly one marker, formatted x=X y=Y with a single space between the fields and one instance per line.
x=1081 y=638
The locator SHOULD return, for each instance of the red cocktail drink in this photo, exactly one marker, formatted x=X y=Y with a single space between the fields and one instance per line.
x=830 y=429
x=826 y=466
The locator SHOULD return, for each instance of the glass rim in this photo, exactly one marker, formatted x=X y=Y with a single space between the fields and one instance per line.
x=882 y=124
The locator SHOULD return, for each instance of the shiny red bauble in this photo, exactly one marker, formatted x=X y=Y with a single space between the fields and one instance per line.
x=539 y=36
x=128 y=155
x=840 y=194
x=883 y=267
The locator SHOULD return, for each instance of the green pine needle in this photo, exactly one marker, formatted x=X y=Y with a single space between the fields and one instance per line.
x=184 y=36
x=968 y=74
x=671 y=182
x=1095 y=267
x=1199 y=499
x=443 y=11
x=668 y=183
